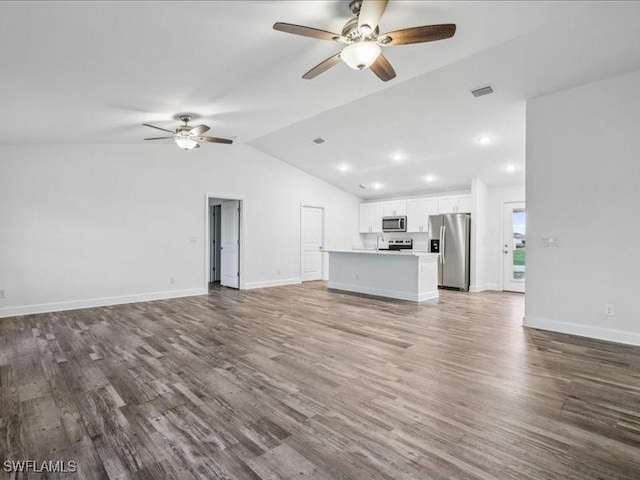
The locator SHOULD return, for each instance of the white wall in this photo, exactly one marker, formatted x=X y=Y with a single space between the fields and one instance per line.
x=97 y=224
x=583 y=173
x=479 y=245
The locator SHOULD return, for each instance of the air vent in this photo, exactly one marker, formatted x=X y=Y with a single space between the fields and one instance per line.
x=362 y=187
x=318 y=140
x=482 y=91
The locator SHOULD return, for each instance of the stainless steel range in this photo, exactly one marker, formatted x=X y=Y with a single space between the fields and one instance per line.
x=399 y=244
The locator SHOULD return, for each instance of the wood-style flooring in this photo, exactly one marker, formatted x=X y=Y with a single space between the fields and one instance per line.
x=303 y=382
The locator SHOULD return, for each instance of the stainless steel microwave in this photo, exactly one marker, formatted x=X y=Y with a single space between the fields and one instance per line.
x=394 y=224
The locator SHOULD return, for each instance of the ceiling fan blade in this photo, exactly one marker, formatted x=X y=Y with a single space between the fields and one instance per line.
x=427 y=33
x=214 y=140
x=322 y=67
x=157 y=138
x=383 y=69
x=370 y=13
x=199 y=130
x=305 y=31
x=158 y=128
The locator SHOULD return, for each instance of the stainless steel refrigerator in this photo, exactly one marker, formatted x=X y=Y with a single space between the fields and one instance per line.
x=450 y=236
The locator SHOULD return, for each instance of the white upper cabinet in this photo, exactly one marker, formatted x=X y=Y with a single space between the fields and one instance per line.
x=455 y=204
x=464 y=204
x=394 y=208
x=371 y=217
x=447 y=204
x=418 y=211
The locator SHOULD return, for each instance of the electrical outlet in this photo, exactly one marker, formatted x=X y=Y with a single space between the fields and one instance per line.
x=194 y=239
x=278 y=271
x=357 y=276
x=172 y=280
x=3 y=294
x=609 y=311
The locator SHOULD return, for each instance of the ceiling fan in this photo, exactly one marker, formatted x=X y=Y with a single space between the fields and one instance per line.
x=363 y=42
x=188 y=137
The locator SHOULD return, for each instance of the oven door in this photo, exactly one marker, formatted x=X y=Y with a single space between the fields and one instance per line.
x=394 y=224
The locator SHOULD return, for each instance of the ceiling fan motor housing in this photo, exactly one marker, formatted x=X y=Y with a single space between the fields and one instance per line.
x=351 y=32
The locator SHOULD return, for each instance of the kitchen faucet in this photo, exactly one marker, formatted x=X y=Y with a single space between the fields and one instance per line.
x=378 y=238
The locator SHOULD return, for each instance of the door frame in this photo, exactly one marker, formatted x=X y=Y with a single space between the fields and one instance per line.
x=502 y=232
x=207 y=236
x=323 y=273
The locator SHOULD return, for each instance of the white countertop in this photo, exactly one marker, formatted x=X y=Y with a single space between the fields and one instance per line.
x=396 y=253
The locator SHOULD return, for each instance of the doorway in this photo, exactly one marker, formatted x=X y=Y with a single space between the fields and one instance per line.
x=215 y=240
x=311 y=243
x=224 y=244
x=514 y=247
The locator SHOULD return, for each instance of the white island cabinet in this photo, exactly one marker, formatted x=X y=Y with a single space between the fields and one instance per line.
x=405 y=275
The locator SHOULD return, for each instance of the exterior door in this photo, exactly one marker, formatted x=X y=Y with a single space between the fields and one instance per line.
x=312 y=238
x=230 y=244
x=514 y=243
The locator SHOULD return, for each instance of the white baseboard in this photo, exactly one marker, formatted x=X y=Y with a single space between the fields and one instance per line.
x=380 y=292
x=598 y=333
x=272 y=283
x=98 y=302
x=484 y=286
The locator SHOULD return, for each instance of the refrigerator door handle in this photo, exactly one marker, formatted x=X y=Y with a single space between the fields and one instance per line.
x=442 y=243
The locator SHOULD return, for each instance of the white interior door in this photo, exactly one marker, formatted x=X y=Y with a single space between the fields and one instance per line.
x=230 y=241
x=312 y=236
x=514 y=247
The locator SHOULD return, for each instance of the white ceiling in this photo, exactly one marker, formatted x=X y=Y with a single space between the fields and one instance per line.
x=92 y=72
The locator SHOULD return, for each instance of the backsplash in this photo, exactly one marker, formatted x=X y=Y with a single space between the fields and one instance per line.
x=420 y=240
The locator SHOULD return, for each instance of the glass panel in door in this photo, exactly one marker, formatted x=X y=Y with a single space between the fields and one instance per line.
x=515 y=240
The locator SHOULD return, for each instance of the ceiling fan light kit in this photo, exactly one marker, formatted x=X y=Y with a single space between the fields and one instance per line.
x=363 y=41
x=360 y=55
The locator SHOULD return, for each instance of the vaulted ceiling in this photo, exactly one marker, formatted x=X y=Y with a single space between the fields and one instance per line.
x=92 y=72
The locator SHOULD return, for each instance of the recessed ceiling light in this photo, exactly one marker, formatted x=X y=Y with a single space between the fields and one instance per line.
x=343 y=167
x=510 y=168
x=430 y=178
x=397 y=157
x=485 y=140
x=377 y=185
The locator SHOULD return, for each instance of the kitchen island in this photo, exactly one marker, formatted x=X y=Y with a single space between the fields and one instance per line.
x=405 y=275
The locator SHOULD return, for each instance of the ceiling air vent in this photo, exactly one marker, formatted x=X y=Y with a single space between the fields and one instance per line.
x=362 y=187
x=318 y=140
x=482 y=91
